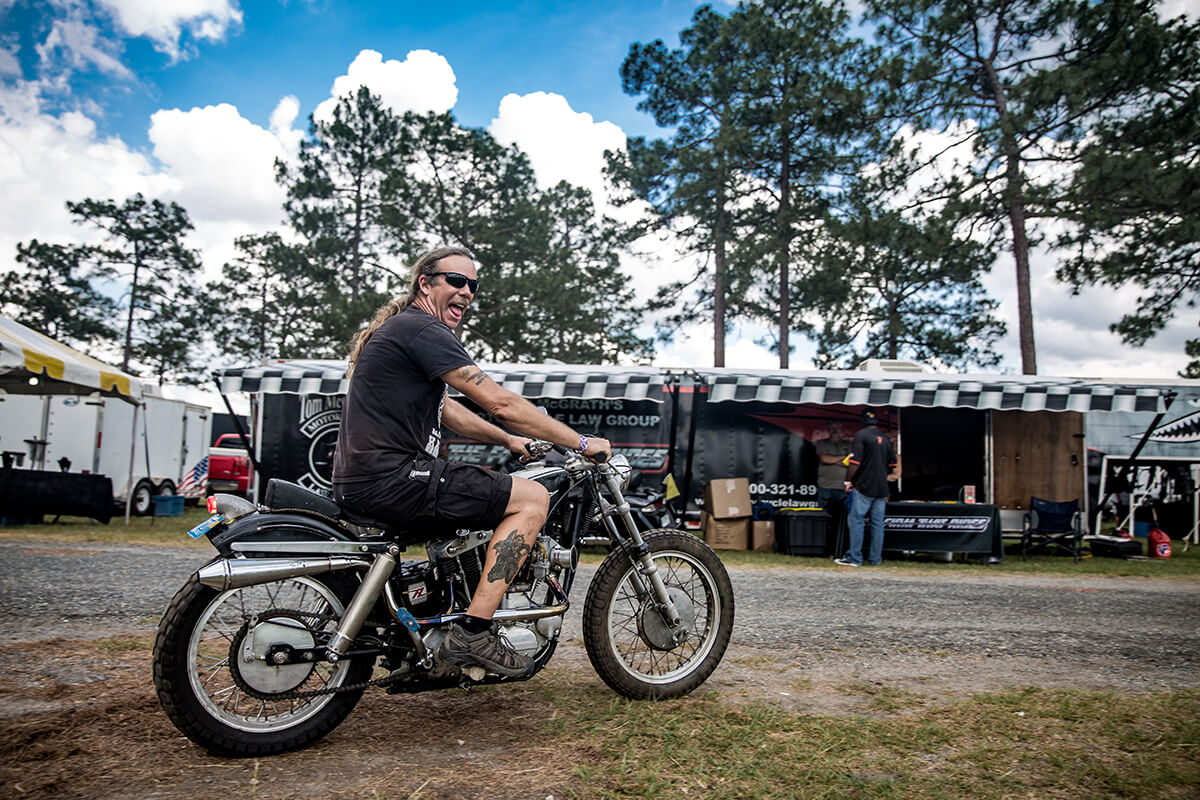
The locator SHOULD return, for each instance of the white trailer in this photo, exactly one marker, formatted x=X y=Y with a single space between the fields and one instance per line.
x=166 y=440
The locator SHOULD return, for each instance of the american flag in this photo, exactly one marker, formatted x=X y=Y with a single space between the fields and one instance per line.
x=195 y=480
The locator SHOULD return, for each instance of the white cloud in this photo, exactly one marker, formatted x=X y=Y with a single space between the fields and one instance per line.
x=164 y=23
x=1169 y=9
x=222 y=168
x=562 y=144
x=46 y=160
x=9 y=66
x=423 y=82
x=223 y=164
x=81 y=45
x=212 y=161
x=282 y=119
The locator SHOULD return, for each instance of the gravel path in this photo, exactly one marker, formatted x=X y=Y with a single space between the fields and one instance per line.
x=967 y=630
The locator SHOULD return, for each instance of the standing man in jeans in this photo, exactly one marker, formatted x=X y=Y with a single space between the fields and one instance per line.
x=871 y=460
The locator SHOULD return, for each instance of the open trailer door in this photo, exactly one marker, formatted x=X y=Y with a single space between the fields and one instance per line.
x=1038 y=454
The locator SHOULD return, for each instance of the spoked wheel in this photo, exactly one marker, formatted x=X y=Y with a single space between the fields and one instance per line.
x=628 y=642
x=214 y=671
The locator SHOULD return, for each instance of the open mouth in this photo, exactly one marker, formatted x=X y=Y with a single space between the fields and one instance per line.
x=456 y=312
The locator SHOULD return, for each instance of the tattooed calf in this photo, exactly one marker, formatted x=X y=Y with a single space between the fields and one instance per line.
x=510 y=555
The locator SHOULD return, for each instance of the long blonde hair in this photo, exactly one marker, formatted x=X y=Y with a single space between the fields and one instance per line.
x=426 y=265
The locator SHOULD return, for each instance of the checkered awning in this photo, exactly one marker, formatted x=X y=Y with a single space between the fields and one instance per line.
x=998 y=393
x=927 y=390
x=527 y=380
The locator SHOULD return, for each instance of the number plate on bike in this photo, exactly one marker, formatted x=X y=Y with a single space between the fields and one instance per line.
x=207 y=525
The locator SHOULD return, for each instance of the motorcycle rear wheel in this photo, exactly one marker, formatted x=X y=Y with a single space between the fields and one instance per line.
x=623 y=633
x=224 y=703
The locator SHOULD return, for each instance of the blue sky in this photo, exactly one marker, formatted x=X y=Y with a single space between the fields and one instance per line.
x=192 y=101
x=293 y=47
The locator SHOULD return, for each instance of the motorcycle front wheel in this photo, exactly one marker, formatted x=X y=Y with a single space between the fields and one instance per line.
x=215 y=683
x=626 y=639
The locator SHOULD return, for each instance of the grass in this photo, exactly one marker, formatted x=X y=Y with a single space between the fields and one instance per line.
x=171 y=531
x=1181 y=564
x=1028 y=742
x=1023 y=743
x=120 y=645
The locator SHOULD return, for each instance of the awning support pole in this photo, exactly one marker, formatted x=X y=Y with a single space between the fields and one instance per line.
x=691 y=449
x=1168 y=398
x=237 y=423
x=132 y=458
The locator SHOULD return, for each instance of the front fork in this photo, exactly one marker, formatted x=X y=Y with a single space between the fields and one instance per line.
x=640 y=553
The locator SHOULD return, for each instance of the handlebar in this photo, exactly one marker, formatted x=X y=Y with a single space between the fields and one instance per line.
x=539 y=447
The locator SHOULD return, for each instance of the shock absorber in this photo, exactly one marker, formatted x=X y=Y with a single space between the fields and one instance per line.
x=362 y=603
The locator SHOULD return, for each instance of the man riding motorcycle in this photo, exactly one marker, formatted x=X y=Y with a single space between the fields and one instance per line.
x=387 y=462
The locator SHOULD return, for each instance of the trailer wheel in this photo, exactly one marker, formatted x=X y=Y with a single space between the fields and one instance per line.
x=166 y=487
x=143 y=504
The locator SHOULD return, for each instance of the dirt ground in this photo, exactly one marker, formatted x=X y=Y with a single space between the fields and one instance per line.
x=79 y=719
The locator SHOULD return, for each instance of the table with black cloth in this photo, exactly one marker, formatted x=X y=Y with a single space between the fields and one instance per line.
x=943 y=528
x=28 y=493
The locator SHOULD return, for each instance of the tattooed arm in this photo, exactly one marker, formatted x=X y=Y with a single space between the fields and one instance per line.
x=513 y=411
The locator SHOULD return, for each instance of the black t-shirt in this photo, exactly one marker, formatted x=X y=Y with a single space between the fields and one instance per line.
x=393 y=408
x=872 y=452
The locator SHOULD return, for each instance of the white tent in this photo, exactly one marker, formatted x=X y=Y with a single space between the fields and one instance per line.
x=31 y=363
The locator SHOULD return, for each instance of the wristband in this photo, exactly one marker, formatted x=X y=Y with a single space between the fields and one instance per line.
x=583 y=443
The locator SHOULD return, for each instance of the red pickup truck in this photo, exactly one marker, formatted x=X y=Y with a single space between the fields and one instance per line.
x=229 y=467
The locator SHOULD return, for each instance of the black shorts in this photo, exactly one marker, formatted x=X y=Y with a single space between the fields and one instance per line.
x=427 y=490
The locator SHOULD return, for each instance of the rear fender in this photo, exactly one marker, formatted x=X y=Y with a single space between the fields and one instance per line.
x=276 y=527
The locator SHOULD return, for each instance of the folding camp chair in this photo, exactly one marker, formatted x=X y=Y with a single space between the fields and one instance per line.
x=1055 y=526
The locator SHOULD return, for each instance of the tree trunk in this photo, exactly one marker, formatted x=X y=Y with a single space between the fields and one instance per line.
x=719 y=286
x=356 y=240
x=1016 y=216
x=784 y=223
x=1015 y=205
x=127 y=352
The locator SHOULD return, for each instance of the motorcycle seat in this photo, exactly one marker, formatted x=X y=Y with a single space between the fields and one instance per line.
x=286 y=496
x=283 y=495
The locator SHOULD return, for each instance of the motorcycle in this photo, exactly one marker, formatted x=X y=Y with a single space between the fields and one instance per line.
x=651 y=510
x=271 y=644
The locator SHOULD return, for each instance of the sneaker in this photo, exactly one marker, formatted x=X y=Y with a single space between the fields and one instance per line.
x=841 y=562
x=484 y=649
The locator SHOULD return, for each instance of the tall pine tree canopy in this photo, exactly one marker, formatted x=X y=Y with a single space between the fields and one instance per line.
x=1134 y=202
x=373 y=190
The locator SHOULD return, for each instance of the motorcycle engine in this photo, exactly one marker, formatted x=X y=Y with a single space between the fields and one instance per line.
x=418 y=589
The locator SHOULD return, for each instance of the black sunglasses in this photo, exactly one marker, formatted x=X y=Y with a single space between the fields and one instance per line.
x=458 y=280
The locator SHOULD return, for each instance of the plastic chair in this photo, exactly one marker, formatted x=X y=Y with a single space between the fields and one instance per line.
x=1056 y=526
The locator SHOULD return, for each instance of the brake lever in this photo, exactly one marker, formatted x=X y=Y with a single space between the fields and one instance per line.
x=536 y=448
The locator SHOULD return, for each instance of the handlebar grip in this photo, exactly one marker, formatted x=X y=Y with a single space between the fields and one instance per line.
x=600 y=458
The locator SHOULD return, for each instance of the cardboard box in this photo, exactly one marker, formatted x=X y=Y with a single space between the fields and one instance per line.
x=762 y=535
x=726 y=534
x=727 y=498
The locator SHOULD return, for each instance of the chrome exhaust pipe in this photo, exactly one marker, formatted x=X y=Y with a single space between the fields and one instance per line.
x=235 y=573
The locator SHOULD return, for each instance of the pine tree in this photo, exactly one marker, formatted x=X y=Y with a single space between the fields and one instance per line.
x=144 y=250
x=550 y=283
x=54 y=295
x=270 y=299
x=335 y=201
x=1135 y=199
x=1019 y=81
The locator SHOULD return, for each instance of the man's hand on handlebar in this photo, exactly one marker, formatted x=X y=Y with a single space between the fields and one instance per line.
x=598 y=450
x=519 y=446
